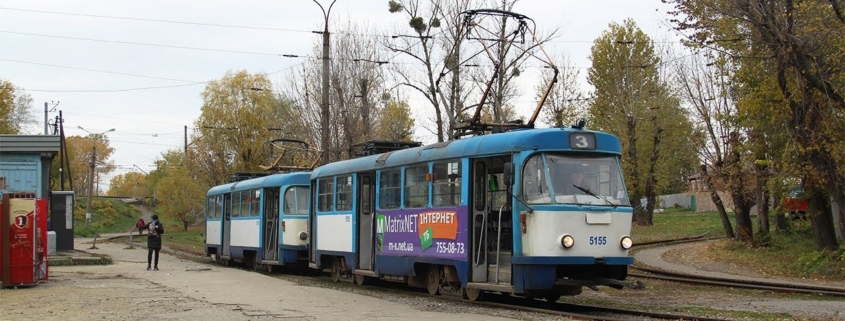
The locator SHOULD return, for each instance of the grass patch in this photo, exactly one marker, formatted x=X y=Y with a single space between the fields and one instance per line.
x=107 y=216
x=93 y=259
x=679 y=223
x=789 y=253
x=192 y=240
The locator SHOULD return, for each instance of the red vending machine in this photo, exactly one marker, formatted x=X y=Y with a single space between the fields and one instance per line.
x=18 y=242
x=41 y=216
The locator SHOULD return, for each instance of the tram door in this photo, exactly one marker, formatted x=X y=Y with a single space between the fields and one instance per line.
x=366 y=221
x=492 y=221
x=227 y=223
x=478 y=210
x=271 y=224
x=312 y=223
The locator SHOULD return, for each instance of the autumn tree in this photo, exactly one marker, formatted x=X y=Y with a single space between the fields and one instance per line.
x=395 y=122
x=131 y=183
x=705 y=91
x=15 y=107
x=178 y=193
x=632 y=102
x=238 y=117
x=80 y=152
x=800 y=43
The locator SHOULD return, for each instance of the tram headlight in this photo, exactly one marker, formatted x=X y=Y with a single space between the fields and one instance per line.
x=626 y=242
x=303 y=236
x=566 y=241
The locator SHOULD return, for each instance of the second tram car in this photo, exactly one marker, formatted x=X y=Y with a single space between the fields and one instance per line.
x=261 y=222
x=538 y=212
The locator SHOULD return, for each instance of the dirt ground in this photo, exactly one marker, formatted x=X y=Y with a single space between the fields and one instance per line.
x=93 y=296
x=188 y=290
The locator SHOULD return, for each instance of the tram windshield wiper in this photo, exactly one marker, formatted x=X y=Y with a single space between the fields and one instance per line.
x=587 y=190
x=591 y=193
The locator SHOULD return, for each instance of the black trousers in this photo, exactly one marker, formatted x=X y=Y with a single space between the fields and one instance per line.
x=150 y=256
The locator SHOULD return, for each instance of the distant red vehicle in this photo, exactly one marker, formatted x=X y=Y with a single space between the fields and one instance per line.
x=796 y=206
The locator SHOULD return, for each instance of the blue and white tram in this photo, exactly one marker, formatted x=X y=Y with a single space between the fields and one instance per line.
x=492 y=213
x=261 y=222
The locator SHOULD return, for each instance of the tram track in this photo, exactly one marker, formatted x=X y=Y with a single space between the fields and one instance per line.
x=658 y=274
x=505 y=301
x=734 y=282
x=579 y=311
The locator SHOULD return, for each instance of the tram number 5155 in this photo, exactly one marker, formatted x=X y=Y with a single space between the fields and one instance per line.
x=598 y=240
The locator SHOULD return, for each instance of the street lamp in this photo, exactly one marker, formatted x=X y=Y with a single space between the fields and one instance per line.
x=91 y=174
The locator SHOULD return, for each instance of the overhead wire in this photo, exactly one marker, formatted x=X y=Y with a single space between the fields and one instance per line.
x=143 y=44
x=154 y=20
x=93 y=70
x=144 y=88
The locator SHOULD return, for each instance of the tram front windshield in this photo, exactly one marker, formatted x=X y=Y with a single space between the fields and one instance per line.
x=571 y=179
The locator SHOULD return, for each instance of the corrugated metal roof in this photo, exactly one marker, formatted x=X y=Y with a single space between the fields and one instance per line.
x=30 y=144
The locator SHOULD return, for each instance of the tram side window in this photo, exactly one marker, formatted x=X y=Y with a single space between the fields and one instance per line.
x=366 y=197
x=344 y=193
x=416 y=186
x=236 y=204
x=296 y=200
x=209 y=207
x=447 y=184
x=244 y=208
x=218 y=206
x=246 y=198
x=255 y=203
x=325 y=198
x=389 y=193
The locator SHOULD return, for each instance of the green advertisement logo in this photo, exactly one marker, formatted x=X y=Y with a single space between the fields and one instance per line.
x=426 y=238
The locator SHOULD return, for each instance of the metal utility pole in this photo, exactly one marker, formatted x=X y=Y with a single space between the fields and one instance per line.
x=45 y=118
x=90 y=186
x=46 y=115
x=324 y=116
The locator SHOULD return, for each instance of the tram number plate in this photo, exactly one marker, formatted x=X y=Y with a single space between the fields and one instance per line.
x=598 y=240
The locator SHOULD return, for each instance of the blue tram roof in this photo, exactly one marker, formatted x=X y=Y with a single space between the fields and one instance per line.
x=275 y=180
x=478 y=146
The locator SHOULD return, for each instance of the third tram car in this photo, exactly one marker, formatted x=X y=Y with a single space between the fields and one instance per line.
x=261 y=222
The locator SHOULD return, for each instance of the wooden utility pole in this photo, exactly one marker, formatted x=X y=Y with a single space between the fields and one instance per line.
x=365 y=114
x=91 y=168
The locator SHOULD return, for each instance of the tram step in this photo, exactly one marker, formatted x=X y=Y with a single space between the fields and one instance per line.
x=504 y=274
x=504 y=258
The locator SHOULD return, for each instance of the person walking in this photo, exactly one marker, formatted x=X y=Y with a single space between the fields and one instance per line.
x=156 y=229
x=140 y=226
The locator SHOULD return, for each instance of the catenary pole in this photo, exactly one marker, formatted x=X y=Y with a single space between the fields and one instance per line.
x=324 y=104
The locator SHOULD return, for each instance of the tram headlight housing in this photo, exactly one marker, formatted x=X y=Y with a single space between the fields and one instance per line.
x=566 y=241
x=626 y=242
x=303 y=236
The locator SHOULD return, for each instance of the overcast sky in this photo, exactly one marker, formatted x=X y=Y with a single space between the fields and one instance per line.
x=127 y=65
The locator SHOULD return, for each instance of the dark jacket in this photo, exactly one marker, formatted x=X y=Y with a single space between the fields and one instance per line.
x=154 y=239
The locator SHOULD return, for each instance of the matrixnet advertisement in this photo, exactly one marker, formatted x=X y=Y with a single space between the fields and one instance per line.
x=429 y=233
